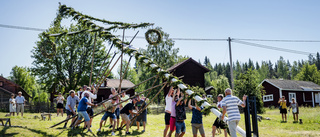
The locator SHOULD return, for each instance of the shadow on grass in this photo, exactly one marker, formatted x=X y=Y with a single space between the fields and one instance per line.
x=3 y=132
x=79 y=131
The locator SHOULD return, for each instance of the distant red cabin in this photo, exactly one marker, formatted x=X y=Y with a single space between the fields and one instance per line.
x=304 y=92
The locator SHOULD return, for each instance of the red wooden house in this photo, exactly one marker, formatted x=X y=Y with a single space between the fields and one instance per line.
x=7 y=87
x=191 y=71
x=105 y=88
x=304 y=92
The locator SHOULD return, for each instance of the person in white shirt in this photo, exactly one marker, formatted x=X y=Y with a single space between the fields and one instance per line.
x=80 y=92
x=20 y=101
x=90 y=100
x=12 y=105
x=60 y=100
x=168 y=111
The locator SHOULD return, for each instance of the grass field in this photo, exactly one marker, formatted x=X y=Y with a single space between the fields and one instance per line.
x=271 y=128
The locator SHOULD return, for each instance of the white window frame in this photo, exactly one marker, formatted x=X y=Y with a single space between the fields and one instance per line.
x=267 y=98
x=290 y=98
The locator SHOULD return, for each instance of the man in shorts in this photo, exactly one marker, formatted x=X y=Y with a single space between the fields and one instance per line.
x=70 y=106
x=90 y=98
x=219 y=123
x=117 y=111
x=143 y=116
x=125 y=111
x=110 y=108
x=196 y=121
x=82 y=111
x=20 y=101
x=181 y=116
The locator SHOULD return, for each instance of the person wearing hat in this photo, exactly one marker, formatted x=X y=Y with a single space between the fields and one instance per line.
x=125 y=111
x=110 y=108
x=12 y=106
x=20 y=101
x=60 y=100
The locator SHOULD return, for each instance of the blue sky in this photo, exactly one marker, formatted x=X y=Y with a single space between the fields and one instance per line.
x=272 y=19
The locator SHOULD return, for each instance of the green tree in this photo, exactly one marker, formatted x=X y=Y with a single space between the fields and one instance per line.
x=247 y=84
x=263 y=71
x=282 y=69
x=22 y=76
x=318 y=60
x=309 y=73
x=71 y=65
x=220 y=84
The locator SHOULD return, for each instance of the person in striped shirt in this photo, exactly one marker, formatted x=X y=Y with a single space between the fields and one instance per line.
x=230 y=105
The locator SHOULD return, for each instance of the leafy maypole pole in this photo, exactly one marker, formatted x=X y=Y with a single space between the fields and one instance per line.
x=128 y=49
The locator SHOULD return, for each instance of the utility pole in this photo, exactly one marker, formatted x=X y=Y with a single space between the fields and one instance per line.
x=231 y=69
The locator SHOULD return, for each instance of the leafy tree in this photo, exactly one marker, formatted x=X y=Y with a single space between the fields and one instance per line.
x=22 y=76
x=71 y=65
x=247 y=84
x=220 y=84
x=309 y=73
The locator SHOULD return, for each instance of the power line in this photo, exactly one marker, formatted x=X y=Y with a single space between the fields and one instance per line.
x=202 y=39
x=273 y=48
x=189 y=39
x=186 y=39
x=278 y=40
x=21 y=28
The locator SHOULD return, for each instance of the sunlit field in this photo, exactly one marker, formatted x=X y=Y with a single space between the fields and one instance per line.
x=36 y=127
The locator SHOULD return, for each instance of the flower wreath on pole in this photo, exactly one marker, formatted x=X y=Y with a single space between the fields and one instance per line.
x=157 y=32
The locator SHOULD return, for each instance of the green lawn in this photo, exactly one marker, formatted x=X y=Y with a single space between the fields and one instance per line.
x=274 y=127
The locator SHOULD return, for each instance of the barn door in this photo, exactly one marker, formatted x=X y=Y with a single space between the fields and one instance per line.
x=291 y=96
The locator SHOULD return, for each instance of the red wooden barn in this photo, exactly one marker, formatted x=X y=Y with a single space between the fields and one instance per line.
x=105 y=88
x=304 y=92
x=7 y=87
x=191 y=71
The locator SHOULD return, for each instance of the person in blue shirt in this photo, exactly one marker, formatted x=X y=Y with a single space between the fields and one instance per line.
x=196 y=121
x=82 y=111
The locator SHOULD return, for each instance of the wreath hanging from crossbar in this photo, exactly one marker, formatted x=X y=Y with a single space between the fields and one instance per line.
x=157 y=32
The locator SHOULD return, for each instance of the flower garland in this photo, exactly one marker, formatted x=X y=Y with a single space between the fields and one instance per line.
x=157 y=32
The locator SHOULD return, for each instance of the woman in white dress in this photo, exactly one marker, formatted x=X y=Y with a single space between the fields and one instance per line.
x=12 y=106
